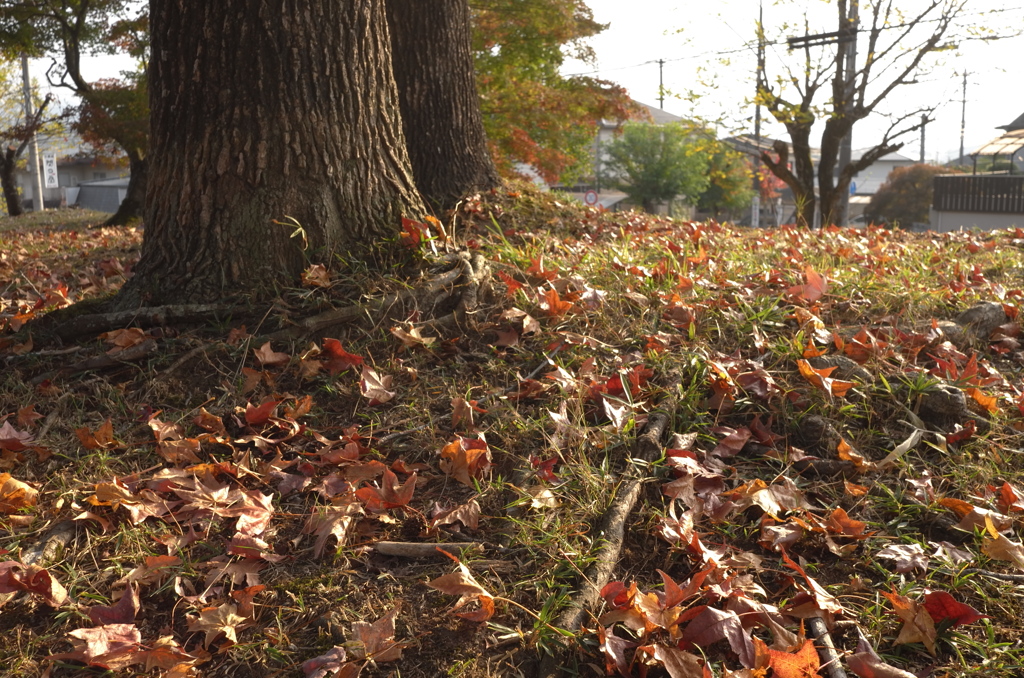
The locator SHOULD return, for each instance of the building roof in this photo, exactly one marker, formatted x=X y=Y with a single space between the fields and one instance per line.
x=1007 y=144
x=648 y=113
x=858 y=153
x=1015 y=125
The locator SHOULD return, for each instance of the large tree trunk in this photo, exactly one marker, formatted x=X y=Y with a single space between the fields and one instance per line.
x=130 y=209
x=15 y=208
x=271 y=119
x=444 y=130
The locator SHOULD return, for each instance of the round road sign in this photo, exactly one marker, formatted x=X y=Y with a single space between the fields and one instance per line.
x=590 y=197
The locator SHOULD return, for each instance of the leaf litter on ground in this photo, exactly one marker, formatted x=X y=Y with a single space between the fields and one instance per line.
x=238 y=505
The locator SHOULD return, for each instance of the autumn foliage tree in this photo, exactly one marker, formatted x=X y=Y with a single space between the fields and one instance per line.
x=730 y=185
x=906 y=195
x=111 y=111
x=532 y=113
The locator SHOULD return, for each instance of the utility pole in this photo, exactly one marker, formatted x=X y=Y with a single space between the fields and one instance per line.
x=33 y=148
x=963 y=119
x=924 y=121
x=849 y=71
x=661 y=83
x=755 y=205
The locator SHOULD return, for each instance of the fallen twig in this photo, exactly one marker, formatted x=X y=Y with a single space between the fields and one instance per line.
x=405 y=549
x=826 y=649
x=612 y=531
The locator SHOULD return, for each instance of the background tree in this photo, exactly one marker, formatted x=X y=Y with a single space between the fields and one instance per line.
x=906 y=195
x=730 y=186
x=433 y=69
x=67 y=30
x=270 y=120
x=893 y=42
x=658 y=163
x=15 y=131
x=532 y=113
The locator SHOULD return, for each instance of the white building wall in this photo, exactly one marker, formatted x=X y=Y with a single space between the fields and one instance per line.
x=985 y=221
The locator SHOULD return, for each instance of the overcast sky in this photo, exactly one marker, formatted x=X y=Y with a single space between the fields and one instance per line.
x=709 y=50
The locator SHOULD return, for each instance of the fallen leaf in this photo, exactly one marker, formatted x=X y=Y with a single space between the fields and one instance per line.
x=918 y=626
x=822 y=380
x=712 y=625
x=412 y=338
x=123 y=612
x=112 y=646
x=338 y=359
x=908 y=557
x=268 y=357
x=464 y=585
x=316 y=276
x=390 y=494
x=803 y=663
x=331 y=663
x=15 y=495
x=867 y=664
x=331 y=521
x=376 y=641
x=375 y=387
x=465 y=459
x=27 y=417
x=679 y=663
x=942 y=607
x=1001 y=548
x=214 y=621
x=614 y=649
x=15 y=576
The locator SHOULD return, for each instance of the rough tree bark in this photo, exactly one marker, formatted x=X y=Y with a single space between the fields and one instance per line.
x=264 y=112
x=444 y=129
x=130 y=209
x=8 y=162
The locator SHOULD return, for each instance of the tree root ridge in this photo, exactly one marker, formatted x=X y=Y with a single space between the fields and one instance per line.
x=447 y=299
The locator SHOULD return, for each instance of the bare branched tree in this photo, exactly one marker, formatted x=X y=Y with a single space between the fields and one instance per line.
x=898 y=46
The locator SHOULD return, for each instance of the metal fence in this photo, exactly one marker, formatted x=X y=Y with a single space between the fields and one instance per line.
x=974 y=193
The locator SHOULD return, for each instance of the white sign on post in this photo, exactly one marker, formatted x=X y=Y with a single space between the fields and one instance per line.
x=50 y=170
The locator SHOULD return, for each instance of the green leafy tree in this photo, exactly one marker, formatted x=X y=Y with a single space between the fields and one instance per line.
x=906 y=195
x=111 y=111
x=658 y=163
x=533 y=114
x=730 y=188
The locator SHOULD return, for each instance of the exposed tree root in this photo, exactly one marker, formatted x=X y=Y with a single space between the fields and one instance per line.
x=50 y=545
x=462 y=284
x=154 y=316
x=100 y=362
x=612 y=531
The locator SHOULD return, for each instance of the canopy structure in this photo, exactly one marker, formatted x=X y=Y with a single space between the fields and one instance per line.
x=1009 y=146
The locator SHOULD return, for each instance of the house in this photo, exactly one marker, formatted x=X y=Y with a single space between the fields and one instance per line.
x=100 y=182
x=984 y=200
x=867 y=182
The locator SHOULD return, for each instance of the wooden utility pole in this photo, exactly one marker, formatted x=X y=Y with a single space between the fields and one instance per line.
x=661 y=84
x=849 y=72
x=963 y=118
x=755 y=205
x=33 y=147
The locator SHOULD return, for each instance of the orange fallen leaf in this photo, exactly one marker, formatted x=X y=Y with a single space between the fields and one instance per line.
x=15 y=495
x=804 y=663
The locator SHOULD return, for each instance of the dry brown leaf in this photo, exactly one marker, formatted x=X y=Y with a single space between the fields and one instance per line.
x=15 y=495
